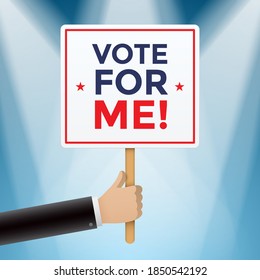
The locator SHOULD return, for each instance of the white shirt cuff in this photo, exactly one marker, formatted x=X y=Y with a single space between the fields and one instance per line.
x=97 y=211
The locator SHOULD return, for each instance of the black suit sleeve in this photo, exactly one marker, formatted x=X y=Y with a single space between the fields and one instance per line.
x=47 y=220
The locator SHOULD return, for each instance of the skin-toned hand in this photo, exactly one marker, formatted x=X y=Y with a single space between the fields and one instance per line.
x=121 y=205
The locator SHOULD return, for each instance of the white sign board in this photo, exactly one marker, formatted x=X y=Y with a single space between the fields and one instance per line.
x=130 y=86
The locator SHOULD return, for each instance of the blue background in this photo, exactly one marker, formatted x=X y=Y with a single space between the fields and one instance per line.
x=198 y=203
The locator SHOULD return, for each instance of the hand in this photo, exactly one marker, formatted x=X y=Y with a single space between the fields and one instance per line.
x=121 y=205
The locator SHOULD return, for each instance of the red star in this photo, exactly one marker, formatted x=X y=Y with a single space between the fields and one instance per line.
x=179 y=86
x=80 y=86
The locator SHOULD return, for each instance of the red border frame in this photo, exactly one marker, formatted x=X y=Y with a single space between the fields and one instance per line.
x=130 y=142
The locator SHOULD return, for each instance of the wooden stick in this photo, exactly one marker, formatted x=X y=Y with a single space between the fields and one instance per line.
x=130 y=181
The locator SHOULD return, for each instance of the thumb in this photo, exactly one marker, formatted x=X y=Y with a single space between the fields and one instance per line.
x=120 y=180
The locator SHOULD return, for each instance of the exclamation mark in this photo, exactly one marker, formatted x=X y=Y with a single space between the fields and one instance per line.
x=163 y=111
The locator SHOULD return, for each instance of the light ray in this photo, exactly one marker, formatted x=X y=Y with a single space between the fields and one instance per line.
x=130 y=12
